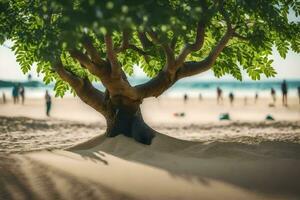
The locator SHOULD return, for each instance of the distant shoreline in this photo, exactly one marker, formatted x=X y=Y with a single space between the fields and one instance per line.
x=191 y=87
x=8 y=84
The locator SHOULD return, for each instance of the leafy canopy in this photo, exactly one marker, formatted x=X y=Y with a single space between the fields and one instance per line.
x=44 y=30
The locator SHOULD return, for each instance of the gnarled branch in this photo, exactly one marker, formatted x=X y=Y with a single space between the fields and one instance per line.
x=199 y=40
x=164 y=80
x=119 y=86
x=67 y=76
x=83 y=88
x=126 y=45
x=192 y=68
x=156 y=86
x=146 y=43
x=125 y=41
x=85 y=61
x=81 y=58
x=92 y=51
x=169 y=53
x=173 y=42
x=112 y=57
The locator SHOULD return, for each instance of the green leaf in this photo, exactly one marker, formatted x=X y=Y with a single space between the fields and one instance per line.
x=43 y=31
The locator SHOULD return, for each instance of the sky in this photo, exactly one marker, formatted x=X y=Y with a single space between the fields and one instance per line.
x=288 y=68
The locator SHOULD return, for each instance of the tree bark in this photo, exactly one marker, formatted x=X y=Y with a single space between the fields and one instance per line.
x=126 y=119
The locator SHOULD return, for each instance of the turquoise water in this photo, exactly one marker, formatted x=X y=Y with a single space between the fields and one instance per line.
x=190 y=87
x=241 y=89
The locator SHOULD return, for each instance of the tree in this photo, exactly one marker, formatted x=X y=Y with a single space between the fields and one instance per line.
x=75 y=43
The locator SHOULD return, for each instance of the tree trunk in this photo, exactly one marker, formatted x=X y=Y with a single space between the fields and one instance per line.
x=127 y=120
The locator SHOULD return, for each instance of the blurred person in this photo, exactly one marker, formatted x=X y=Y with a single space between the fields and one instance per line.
x=245 y=100
x=3 y=98
x=185 y=98
x=273 y=94
x=15 y=94
x=22 y=93
x=298 y=93
x=48 y=103
x=219 y=95
x=29 y=77
x=231 y=98
x=256 y=97
x=284 y=90
x=200 y=97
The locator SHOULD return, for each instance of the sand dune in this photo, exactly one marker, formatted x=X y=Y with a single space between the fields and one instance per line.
x=199 y=157
x=120 y=168
x=21 y=134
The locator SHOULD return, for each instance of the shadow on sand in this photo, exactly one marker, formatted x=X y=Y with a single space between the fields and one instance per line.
x=270 y=168
x=23 y=178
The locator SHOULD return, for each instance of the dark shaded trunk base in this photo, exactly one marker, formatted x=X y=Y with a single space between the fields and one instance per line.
x=131 y=125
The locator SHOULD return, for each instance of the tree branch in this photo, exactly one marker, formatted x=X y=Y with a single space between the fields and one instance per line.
x=125 y=41
x=126 y=45
x=164 y=80
x=156 y=86
x=81 y=58
x=66 y=75
x=192 y=68
x=169 y=53
x=173 y=42
x=83 y=88
x=84 y=60
x=119 y=86
x=146 y=43
x=199 y=40
x=240 y=36
x=112 y=57
x=92 y=51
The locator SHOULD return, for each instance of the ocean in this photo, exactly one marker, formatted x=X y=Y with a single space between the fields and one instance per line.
x=193 y=88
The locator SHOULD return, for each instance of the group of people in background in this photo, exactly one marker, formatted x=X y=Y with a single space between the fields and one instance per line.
x=220 y=96
x=284 y=90
x=17 y=92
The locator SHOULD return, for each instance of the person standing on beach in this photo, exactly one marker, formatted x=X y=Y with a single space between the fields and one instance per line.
x=185 y=98
x=284 y=90
x=219 y=95
x=22 y=93
x=245 y=100
x=200 y=97
x=48 y=103
x=273 y=94
x=15 y=94
x=298 y=93
x=3 y=97
x=231 y=98
x=256 y=97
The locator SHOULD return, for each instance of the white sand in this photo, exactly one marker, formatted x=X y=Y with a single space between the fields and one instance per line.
x=161 y=111
x=119 y=168
x=168 y=169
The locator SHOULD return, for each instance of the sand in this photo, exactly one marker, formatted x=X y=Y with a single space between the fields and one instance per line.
x=161 y=111
x=197 y=157
x=22 y=134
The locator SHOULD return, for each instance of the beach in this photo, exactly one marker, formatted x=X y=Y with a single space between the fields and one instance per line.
x=149 y=100
x=196 y=156
x=162 y=110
